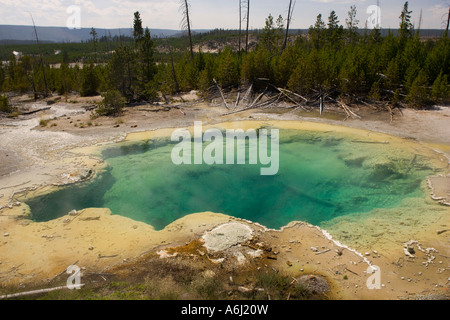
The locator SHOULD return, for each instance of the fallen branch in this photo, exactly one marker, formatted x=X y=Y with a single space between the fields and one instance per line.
x=293 y=93
x=35 y=111
x=348 y=110
x=352 y=272
x=391 y=113
x=257 y=98
x=324 y=251
x=247 y=94
x=101 y=257
x=237 y=101
x=29 y=293
x=221 y=93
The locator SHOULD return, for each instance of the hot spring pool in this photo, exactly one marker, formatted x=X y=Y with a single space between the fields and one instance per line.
x=322 y=175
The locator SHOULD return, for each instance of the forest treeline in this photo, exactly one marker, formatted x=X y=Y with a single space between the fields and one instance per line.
x=332 y=59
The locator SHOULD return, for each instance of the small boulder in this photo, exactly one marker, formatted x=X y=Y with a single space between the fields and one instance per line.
x=73 y=213
x=314 y=284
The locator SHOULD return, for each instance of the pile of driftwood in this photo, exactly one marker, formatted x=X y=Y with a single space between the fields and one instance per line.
x=246 y=98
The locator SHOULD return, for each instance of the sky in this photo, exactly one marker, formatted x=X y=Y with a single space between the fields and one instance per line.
x=210 y=14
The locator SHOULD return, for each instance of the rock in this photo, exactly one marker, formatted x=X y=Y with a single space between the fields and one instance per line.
x=367 y=254
x=6 y=235
x=255 y=253
x=244 y=289
x=67 y=220
x=208 y=274
x=240 y=258
x=314 y=249
x=91 y=248
x=226 y=236
x=314 y=284
x=289 y=263
x=73 y=213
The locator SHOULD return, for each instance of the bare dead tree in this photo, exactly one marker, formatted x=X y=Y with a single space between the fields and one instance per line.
x=289 y=17
x=448 y=20
x=248 y=24
x=240 y=24
x=186 y=23
x=41 y=58
x=174 y=74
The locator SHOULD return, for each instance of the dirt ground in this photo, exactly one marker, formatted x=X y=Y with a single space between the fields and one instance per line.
x=53 y=147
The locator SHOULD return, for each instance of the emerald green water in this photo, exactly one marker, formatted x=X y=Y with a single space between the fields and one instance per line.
x=321 y=176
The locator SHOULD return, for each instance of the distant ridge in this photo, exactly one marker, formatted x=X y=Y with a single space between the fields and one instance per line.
x=10 y=34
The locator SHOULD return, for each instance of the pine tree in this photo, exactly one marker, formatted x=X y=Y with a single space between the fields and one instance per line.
x=352 y=25
x=138 y=31
x=112 y=103
x=90 y=82
x=227 y=71
x=146 y=68
x=2 y=77
x=94 y=39
x=269 y=35
x=4 y=104
x=334 y=30
x=317 y=31
x=122 y=71
x=375 y=93
x=440 y=90
x=406 y=27
x=284 y=65
x=418 y=95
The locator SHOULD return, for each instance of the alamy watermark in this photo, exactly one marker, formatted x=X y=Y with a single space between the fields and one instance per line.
x=74 y=280
x=374 y=281
x=235 y=140
x=74 y=18
x=374 y=20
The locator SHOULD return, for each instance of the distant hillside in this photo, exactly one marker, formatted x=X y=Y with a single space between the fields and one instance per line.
x=24 y=34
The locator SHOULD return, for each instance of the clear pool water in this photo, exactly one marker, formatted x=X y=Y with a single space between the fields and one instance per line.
x=322 y=175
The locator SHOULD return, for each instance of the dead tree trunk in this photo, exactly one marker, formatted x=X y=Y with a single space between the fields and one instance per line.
x=248 y=23
x=288 y=24
x=174 y=74
x=41 y=58
x=240 y=24
x=187 y=24
x=448 y=21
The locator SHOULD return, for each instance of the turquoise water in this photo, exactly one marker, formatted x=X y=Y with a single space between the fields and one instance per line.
x=321 y=176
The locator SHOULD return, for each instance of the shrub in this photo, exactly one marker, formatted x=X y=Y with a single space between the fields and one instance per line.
x=112 y=103
x=44 y=122
x=4 y=104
